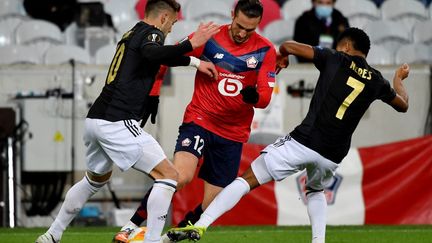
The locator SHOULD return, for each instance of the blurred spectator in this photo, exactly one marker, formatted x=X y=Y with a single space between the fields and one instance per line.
x=320 y=25
x=426 y=2
x=378 y=2
x=139 y=8
x=271 y=13
x=61 y=13
x=281 y=2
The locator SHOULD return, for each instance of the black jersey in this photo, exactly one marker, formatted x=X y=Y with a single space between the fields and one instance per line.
x=132 y=73
x=346 y=87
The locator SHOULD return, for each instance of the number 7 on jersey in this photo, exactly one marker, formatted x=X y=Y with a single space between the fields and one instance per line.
x=358 y=88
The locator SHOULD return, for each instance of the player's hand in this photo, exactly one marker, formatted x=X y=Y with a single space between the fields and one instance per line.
x=281 y=62
x=403 y=71
x=203 y=34
x=151 y=110
x=250 y=94
x=208 y=68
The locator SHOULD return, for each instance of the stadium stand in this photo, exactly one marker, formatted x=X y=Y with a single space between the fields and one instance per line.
x=292 y=9
x=33 y=31
x=62 y=54
x=209 y=10
x=379 y=55
x=407 y=12
x=414 y=54
x=389 y=34
x=422 y=32
x=104 y=54
x=18 y=54
x=11 y=8
x=121 y=11
x=7 y=30
x=359 y=12
x=279 y=31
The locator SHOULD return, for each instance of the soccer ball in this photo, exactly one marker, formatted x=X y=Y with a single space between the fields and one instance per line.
x=137 y=236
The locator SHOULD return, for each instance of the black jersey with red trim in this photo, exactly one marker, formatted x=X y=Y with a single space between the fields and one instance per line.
x=346 y=87
x=132 y=73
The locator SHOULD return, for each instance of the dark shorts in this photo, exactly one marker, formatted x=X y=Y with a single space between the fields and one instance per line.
x=221 y=156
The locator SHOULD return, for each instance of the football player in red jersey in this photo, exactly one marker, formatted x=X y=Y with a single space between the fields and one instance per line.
x=217 y=121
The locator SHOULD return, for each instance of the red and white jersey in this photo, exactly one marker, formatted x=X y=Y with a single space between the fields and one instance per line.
x=217 y=105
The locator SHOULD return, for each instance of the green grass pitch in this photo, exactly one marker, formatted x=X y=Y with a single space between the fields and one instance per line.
x=249 y=234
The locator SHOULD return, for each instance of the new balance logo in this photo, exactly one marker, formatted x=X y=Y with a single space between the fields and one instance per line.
x=218 y=56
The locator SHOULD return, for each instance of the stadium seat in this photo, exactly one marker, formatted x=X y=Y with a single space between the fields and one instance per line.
x=123 y=27
x=389 y=34
x=182 y=29
x=61 y=54
x=379 y=55
x=207 y=10
x=121 y=11
x=7 y=30
x=230 y=3
x=279 y=31
x=272 y=12
x=407 y=12
x=422 y=32
x=17 y=54
x=414 y=54
x=32 y=31
x=292 y=9
x=359 y=12
x=105 y=54
x=11 y=8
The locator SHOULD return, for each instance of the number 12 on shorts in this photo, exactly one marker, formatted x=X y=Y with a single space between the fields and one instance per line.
x=199 y=143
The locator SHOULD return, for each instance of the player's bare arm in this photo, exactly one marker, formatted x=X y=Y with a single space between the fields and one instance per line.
x=203 y=34
x=296 y=49
x=281 y=62
x=400 y=102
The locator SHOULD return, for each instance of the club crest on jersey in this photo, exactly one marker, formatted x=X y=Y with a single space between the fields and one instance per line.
x=330 y=190
x=186 y=142
x=251 y=62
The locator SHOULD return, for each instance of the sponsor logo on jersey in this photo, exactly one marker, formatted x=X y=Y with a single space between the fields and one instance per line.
x=251 y=62
x=186 y=142
x=231 y=75
x=218 y=56
x=330 y=191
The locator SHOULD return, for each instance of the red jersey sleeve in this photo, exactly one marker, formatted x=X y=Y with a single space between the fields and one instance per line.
x=266 y=79
x=155 y=91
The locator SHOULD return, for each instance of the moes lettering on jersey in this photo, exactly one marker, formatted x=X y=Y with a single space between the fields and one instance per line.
x=362 y=72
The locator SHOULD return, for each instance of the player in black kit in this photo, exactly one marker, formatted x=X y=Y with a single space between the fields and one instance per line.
x=347 y=85
x=112 y=134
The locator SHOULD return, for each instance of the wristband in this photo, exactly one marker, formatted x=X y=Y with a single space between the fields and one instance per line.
x=194 y=62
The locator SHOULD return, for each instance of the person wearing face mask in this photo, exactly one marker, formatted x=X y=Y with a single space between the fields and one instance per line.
x=320 y=25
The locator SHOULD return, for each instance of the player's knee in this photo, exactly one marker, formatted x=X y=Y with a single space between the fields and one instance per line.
x=97 y=180
x=184 y=179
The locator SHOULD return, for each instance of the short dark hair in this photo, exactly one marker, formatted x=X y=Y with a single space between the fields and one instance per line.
x=250 y=8
x=158 y=5
x=360 y=40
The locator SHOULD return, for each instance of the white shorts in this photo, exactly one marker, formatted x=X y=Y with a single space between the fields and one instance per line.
x=286 y=157
x=123 y=143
